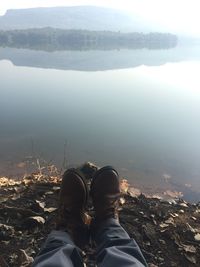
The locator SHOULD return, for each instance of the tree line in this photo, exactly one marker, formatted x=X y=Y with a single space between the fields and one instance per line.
x=58 y=39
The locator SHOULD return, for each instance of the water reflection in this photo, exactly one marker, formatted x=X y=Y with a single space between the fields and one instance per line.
x=144 y=120
x=98 y=60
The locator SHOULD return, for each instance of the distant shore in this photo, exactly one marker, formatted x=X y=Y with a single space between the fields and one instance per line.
x=51 y=39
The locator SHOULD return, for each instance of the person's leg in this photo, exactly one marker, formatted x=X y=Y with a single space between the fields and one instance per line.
x=114 y=246
x=61 y=247
x=58 y=251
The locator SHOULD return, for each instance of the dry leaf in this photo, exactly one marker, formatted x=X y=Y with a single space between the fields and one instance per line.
x=124 y=186
x=134 y=192
x=122 y=201
x=197 y=237
x=24 y=259
x=87 y=219
x=50 y=209
x=41 y=204
x=170 y=221
x=191 y=258
x=164 y=225
x=189 y=248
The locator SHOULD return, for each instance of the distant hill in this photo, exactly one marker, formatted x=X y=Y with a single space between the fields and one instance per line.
x=79 y=17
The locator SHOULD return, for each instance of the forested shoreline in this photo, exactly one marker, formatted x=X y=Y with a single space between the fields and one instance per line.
x=59 y=39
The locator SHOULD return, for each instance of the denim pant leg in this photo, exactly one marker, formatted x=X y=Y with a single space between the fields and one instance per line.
x=115 y=247
x=58 y=251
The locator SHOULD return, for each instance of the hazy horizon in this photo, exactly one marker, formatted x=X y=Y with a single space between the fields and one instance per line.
x=180 y=17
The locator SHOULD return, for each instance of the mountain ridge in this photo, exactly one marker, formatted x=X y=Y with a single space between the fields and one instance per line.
x=75 y=17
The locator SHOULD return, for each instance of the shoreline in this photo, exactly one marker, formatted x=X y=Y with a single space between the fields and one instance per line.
x=167 y=232
x=165 y=190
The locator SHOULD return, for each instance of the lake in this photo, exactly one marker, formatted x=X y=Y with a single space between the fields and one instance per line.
x=138 y=110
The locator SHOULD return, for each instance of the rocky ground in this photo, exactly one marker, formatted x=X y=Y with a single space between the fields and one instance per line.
x=168 y=232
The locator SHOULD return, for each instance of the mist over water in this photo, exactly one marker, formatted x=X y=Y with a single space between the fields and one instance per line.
x=137 y=110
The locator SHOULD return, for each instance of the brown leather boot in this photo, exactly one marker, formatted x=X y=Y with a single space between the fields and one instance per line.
x=72 y=202
x=105 y=193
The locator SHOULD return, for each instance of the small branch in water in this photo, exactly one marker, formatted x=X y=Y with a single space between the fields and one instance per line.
x=39 y=167
x=32 y=148
x=64 y=165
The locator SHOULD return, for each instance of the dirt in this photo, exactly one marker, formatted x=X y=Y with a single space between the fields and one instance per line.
x=168 y=232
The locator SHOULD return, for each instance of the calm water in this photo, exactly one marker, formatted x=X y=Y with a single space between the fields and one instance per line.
x=137 y=110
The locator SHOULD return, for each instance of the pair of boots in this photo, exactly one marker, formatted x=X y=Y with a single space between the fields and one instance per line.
x=105 y=193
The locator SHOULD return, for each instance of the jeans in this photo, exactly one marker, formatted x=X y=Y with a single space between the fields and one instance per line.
x=114 y=248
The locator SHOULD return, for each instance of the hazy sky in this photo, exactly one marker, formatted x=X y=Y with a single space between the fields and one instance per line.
x=176 y=15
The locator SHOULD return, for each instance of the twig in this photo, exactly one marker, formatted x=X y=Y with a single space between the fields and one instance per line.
x=32 y=148
x=3 y=263
x=65 y=156
x=39 y=167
